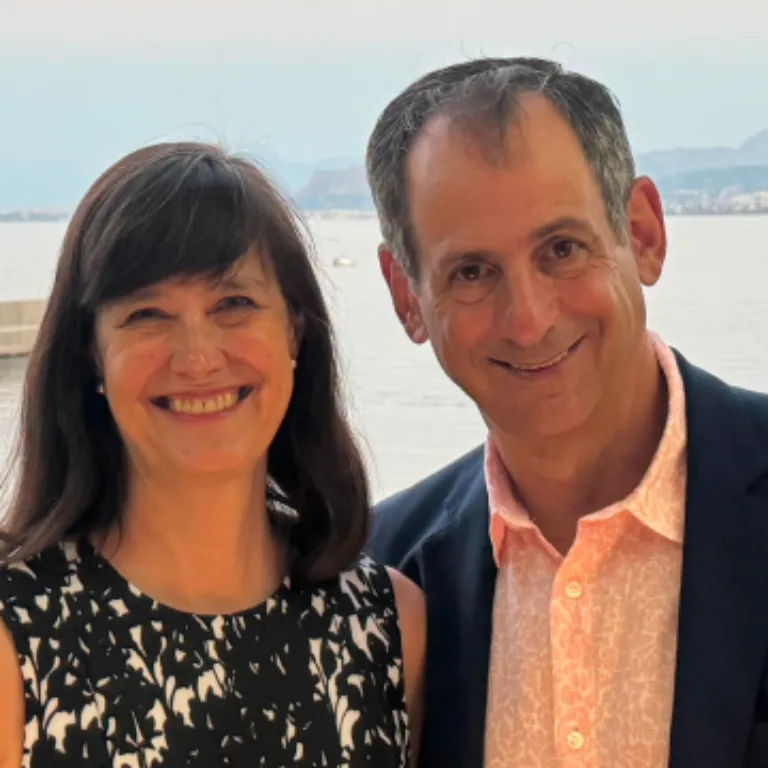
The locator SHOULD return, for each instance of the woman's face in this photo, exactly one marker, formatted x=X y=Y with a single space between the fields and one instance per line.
x=199 y=375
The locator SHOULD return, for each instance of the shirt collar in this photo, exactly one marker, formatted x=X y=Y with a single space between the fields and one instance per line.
x=658 y=502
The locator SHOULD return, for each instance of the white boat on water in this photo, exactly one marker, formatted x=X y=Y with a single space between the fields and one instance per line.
x=344 y=261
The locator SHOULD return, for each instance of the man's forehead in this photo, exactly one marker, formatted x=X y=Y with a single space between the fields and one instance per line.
x=496 y=214
x=479 y=135
x=445 y=170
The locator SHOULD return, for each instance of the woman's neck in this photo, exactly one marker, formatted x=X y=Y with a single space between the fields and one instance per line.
x=198 y=547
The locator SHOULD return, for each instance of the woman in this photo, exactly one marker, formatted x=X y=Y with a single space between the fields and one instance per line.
x=181 y=579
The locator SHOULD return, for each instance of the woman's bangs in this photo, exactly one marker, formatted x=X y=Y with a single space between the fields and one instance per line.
x=191 y=222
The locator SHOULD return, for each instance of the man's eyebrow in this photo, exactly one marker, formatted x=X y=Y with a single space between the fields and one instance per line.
x=558 y=225
x=453 y=257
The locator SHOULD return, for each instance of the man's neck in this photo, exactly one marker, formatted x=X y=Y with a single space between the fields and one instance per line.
x=561 y=480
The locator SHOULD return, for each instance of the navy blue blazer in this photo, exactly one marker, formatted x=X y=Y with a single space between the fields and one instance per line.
x=437 y=534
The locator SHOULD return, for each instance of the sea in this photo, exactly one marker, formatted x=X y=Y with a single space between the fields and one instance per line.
x=711 y=304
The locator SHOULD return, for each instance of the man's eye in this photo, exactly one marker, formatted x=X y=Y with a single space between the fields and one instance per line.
x=565 y=249
x=472 y=282
x=470 y=273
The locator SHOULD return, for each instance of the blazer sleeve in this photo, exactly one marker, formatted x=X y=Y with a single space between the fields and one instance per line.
x=396 y=537
x=403 y=523
x=757 y=753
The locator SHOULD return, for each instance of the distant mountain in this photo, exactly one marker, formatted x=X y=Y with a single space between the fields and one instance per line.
x=716 y=180
x=754 y=151
x=344 y=189
x=741 y=180
x=32 y=183
x=735 y=189
x=757 y=144
x=292 y=175
x=340 y=183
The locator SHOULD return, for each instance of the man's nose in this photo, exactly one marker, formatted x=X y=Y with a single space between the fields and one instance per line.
x=527 y=308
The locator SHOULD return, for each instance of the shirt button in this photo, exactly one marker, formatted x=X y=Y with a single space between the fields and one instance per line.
x=575 y=740
x=573 y=589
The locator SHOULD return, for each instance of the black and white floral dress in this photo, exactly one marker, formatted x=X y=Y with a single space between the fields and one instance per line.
x=113 y=679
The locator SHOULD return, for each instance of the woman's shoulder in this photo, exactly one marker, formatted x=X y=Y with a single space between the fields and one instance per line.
x=34 y=581
x=36 y=597
x=384 y=591
x=401 y=615
x=11 y=702
x=368 y=585
x=371 y=576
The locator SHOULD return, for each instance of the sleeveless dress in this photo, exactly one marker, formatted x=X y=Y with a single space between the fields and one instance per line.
x=311 y=677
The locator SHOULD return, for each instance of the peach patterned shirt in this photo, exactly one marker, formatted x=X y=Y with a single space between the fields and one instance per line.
x=583 y=646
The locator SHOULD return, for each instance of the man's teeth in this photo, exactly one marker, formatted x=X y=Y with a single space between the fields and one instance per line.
x=540 y=367
x=203 y=405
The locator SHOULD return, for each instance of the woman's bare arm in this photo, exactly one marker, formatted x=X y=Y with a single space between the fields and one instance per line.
x=412 y=615
x=11 y=703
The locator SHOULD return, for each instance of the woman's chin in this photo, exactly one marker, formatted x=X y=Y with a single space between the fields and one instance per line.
x=211 y=466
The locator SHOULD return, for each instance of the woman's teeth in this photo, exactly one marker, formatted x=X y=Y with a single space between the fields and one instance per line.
x=203 y=405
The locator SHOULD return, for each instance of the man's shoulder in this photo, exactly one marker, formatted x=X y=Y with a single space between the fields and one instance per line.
x=708 y=390
x=752 y=418
x=753 y=399
x=727 y=425
x=755 y=403
x=403 y=521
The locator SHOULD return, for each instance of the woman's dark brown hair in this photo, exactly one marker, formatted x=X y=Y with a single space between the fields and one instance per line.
x=173 y=210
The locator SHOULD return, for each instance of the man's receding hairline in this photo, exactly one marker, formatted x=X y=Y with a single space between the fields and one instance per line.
x=503 y=160
x=487 y=95
x=476 y=132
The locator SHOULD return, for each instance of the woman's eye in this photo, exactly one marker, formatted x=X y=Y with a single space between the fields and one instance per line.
x=145 y=313
x=236 y=302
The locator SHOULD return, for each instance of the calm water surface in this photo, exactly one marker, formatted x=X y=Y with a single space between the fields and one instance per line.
x=711 y=304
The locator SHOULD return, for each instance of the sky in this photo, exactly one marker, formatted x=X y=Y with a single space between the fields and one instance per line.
x=82 y=82
x=342 y=21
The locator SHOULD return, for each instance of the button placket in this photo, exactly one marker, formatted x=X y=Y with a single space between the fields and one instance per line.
x=574 y=589
x=575 y=740
x=573 y=653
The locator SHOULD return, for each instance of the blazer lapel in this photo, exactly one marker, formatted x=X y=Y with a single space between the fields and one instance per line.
x=723 y=622
x=462 y=573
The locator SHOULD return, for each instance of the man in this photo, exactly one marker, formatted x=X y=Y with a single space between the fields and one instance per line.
x=596 y=575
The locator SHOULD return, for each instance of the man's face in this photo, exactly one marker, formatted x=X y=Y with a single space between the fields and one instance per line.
x=532 y=305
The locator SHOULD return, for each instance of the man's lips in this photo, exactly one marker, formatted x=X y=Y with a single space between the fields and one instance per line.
x=539 y=366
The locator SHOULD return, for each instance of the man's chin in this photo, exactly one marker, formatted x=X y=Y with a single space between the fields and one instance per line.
x=538 y=422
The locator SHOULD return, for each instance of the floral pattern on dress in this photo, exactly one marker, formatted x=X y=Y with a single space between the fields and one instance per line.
x=311 y=677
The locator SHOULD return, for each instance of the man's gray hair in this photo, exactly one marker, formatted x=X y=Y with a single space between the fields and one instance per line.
x=483 y=98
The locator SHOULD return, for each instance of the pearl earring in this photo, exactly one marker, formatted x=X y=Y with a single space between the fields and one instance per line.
x=100 y=389
x=293 y=364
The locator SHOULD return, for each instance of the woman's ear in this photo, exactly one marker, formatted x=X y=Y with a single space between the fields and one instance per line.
x=98 y=371
x=297 y=335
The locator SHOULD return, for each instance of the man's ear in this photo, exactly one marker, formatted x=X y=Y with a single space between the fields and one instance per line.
x=404 y=300
x=647 y=232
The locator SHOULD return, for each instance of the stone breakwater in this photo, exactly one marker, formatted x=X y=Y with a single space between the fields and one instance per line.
x=19 y=321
